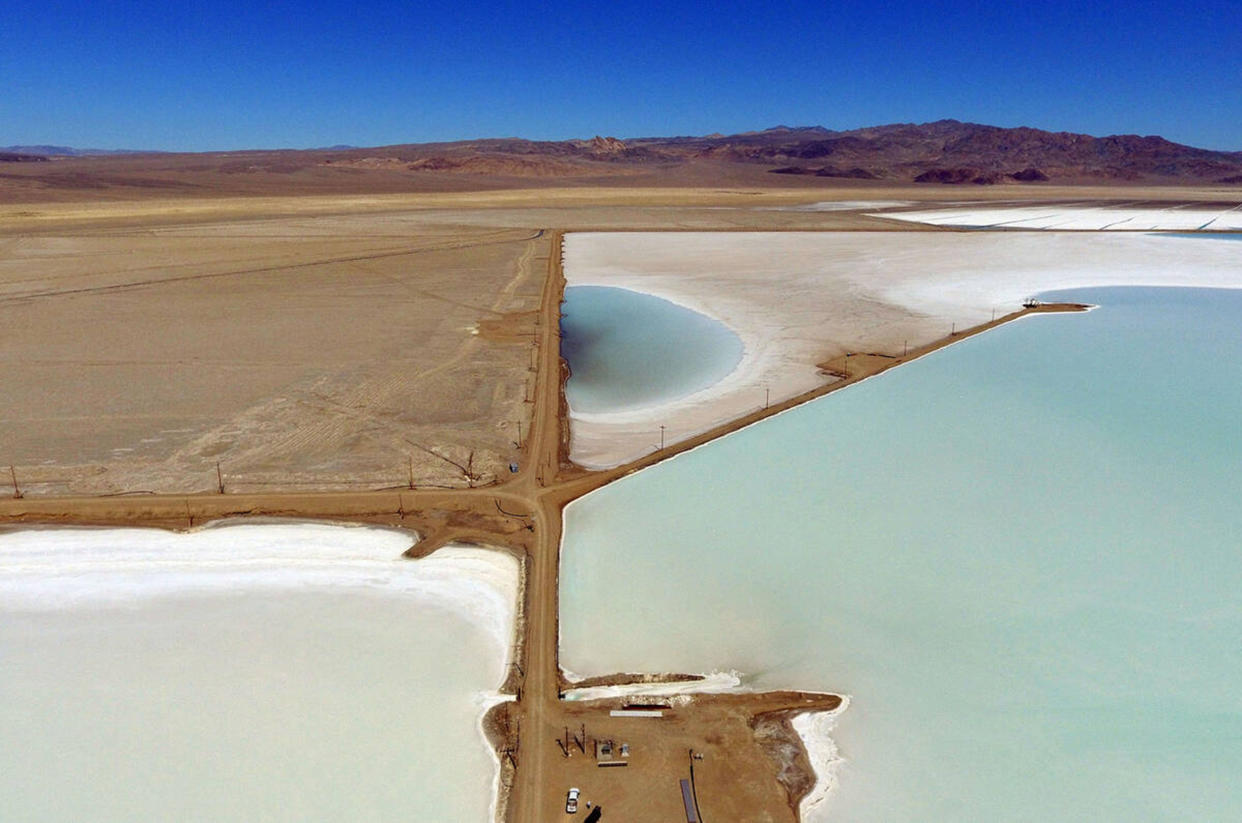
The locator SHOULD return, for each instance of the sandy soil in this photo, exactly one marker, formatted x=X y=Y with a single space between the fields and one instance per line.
x=799 y=300
x=299 y=354
x=750 y=765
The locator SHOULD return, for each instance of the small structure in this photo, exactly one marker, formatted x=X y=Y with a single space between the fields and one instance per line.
x=604 y=756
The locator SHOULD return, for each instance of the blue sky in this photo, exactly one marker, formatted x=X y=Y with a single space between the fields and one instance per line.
x=201 y=76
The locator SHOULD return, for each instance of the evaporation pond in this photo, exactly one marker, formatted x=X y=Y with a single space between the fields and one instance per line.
x=1203 y=235
x=629 y=350
x=1018 y=555
x=275 y=673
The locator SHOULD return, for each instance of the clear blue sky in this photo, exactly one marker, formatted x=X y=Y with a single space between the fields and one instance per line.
x=189 y=75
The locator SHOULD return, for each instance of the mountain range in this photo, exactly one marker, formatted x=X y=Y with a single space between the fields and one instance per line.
x=943 y=152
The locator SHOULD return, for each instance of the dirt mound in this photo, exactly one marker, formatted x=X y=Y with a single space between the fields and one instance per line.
x=958 y=176
x=855 y=173
x=13 y=157
x=605 y=145
x=1029 y=175
x=509 y=165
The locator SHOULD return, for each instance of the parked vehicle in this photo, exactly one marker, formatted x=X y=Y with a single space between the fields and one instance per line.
x=571 y=801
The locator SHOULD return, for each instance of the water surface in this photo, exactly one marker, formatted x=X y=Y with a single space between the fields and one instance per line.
x=1200 y=235
x=1019 y=555
x=135 y=685
x=629 y=350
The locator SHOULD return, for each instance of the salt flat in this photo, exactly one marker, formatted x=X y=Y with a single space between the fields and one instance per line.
x=1118 y=217
x=798 y=299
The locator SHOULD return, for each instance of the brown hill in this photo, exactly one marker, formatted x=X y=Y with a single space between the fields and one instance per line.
x=944 y=152
x=19 y=157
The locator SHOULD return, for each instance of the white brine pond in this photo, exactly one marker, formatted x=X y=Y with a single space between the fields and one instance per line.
x=1019 y=556
x=278 y=672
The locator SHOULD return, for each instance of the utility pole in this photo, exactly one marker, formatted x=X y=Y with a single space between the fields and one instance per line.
x=661 y=437
x=17 y=492
x=219 y=479
x=519 y=428
x=767 y=396
x=411 y=459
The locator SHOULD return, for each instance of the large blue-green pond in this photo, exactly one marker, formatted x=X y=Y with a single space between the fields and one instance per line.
x=1021 y=556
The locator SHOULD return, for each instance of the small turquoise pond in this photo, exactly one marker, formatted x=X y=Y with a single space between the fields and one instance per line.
x=628 y=350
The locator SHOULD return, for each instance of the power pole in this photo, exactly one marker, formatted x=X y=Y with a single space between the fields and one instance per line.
x=767 y=396
x=661 y=437
x=411 y=458
x=219 y=479
x=17 y=492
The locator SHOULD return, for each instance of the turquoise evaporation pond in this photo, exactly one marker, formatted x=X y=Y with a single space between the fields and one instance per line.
x=1021 y=556
x=628 y=350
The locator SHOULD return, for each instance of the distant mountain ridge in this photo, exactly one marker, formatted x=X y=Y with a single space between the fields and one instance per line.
x=68 y=151
x=954 y=151
x=944 y=152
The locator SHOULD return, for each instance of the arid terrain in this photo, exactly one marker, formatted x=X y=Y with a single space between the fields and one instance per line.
x=296 y=354
x=359 y=340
